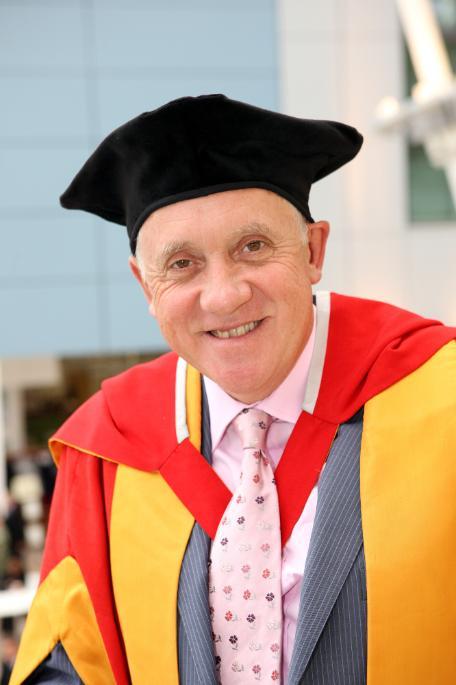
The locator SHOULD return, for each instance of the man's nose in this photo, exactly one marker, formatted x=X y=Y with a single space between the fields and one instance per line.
x=225 y=289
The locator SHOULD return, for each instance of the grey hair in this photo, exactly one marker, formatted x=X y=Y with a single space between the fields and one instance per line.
x=138 y=255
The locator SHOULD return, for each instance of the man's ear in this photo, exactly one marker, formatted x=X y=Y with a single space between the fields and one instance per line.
x=134 y=267
x=318 y=233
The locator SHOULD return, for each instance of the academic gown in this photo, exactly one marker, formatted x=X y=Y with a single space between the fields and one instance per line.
x=132 y=483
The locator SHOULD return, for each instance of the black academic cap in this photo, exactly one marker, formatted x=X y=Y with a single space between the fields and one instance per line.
x=196 y=146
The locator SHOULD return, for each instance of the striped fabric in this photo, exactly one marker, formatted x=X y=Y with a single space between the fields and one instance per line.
x=196 y=657
x=56 y=669
x=330 y=644
x=340 y=656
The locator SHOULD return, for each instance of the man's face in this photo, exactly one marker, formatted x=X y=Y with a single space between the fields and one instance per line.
x=228 y=277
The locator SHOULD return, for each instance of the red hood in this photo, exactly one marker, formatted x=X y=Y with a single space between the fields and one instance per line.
x=370 y=346
x=130 y=420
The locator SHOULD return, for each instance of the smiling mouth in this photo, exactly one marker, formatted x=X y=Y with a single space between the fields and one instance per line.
x=235 y=332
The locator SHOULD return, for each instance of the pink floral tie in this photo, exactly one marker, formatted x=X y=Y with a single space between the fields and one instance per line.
x=245 y=572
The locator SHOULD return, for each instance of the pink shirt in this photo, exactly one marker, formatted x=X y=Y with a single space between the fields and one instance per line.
x=284 y=404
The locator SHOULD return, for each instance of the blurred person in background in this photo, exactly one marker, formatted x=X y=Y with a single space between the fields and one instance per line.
x=4 y=548
x=9 y=651
x=12 y=575
x=224 y=513
x=14 y=522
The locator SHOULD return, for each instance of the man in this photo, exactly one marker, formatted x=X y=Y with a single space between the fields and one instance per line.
x=222 y=514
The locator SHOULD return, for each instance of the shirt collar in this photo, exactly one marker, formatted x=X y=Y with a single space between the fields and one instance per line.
x=284 y=403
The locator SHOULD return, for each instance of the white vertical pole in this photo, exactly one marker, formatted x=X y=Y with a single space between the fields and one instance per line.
x=433 y=70
x=450 y=170
x=425 y=43
x=16 y=437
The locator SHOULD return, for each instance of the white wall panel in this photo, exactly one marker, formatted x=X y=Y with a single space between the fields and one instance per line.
x=43 y=107
x=34 y=178
x=41 y=35
x=299 y=19
x=58 y=247
x=357 y=59
x=130 y=326
x=223 y=36
x=65 y=318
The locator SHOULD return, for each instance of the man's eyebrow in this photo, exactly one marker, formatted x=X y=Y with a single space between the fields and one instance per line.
x=175 y=246
x=171 y=248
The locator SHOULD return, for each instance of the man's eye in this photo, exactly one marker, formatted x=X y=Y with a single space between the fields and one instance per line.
x=180 y=264
x=254 y=245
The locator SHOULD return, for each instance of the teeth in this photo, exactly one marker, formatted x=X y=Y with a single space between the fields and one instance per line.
x=236 y=332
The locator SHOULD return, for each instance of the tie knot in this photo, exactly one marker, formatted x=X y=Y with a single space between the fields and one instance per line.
x=252 y=426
